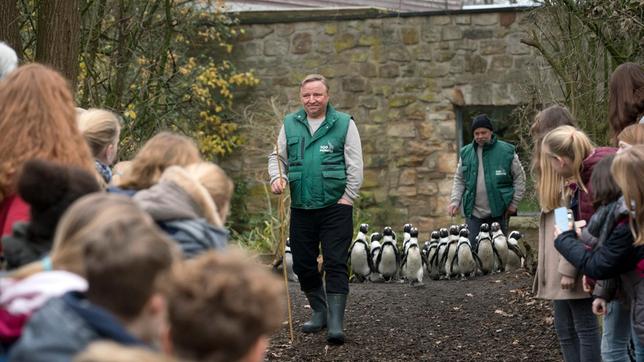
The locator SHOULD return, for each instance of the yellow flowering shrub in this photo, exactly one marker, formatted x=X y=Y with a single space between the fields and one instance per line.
x=163 y=65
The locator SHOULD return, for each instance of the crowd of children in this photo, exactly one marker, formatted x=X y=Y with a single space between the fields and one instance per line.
x=130 y=262
x=594 y=268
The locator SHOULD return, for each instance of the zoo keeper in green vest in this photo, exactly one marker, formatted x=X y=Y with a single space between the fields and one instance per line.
x=489 y=181
x=321 y=160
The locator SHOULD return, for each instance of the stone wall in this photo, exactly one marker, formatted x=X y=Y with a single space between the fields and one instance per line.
x=401 y=79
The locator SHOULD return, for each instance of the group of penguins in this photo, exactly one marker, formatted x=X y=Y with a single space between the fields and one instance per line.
x=448 y=254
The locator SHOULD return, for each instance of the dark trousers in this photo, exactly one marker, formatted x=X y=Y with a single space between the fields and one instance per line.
x=331 y=226
x=578 y=330
x=474 y=226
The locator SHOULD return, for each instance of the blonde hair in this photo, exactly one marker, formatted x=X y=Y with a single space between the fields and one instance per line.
x=564 y=141
x=219 y=186
x=104 y=351
x=86 y=217
x=220 y=304
x=159 y=152
x=100 y=128
x=628 y=171
x=633 y=134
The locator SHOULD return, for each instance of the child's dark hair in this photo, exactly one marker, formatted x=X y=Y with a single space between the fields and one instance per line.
x=603 y=187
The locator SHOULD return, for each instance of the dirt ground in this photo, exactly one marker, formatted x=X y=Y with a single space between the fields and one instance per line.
x=488 y=318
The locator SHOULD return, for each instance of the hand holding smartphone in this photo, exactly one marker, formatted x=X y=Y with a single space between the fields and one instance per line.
x=562 y=219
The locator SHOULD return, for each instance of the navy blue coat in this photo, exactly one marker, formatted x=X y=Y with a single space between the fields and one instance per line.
x=615 y=256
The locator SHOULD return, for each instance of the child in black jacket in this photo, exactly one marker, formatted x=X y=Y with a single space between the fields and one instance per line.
x=621 y=250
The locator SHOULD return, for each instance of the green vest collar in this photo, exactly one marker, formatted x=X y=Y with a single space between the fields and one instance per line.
x=330 y=118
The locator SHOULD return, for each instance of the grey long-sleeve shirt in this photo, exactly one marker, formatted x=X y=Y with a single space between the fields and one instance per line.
x=481 y=204
x=352 y=158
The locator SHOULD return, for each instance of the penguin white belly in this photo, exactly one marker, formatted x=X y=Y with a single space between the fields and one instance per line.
x=388 y=264
x=449 y=262
x=413 y=265
x=501 y=247
x=513 y=261
x=486 y=254
x=466 y=262
x=359 y=260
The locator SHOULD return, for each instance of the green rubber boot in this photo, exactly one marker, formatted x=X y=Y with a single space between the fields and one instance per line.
x=337 y=303
x=317 y=300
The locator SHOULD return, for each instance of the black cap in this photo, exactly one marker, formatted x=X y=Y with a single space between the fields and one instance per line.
x=482 y=121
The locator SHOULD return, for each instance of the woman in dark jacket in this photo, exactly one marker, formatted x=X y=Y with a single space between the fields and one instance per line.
x=623 y=249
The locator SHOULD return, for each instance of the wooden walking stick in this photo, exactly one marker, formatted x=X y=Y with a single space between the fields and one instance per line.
x=281 y=214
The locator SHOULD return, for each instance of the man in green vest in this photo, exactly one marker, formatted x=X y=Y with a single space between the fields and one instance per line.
x=489 y=181
x=319 y=155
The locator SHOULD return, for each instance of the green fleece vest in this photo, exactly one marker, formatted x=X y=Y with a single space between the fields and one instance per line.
x=497 y=165
x=316 y=169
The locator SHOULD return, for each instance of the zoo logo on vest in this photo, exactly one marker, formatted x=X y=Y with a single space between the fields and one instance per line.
x=501 y=173
x=328 y=148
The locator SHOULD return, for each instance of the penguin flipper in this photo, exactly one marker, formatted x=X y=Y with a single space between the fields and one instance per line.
x=444 y=256
x=478 y=260
x=378 y=260
x=404 y=261
x=369 y=259
x=516 y=250
x=350 y=250
x=455 y=260
x=496 y=254
x=434 y=260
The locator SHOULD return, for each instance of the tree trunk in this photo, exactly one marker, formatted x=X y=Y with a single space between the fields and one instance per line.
x=58 y=37
x=10 y=25
x=90 y=50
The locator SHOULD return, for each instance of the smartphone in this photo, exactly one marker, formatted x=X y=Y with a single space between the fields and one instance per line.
x=561 y=219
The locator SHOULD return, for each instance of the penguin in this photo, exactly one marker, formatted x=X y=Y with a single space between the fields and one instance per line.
x=288 y=261
x=462 y=226
x=425 y=250
x=413 y=264
x=432 y=256
x=529 y=262
x=442 y=248
x=403 y=248
x=376 y=248
x=360 y=255
x=388 y=259
x=500 y=245
x=451 y=251
x=484 y=249
x=406 y=236
x=466 y=260
x=516 y=252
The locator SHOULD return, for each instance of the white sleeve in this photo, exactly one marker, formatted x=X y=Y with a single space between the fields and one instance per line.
x=278 y=158
x=353 y=161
